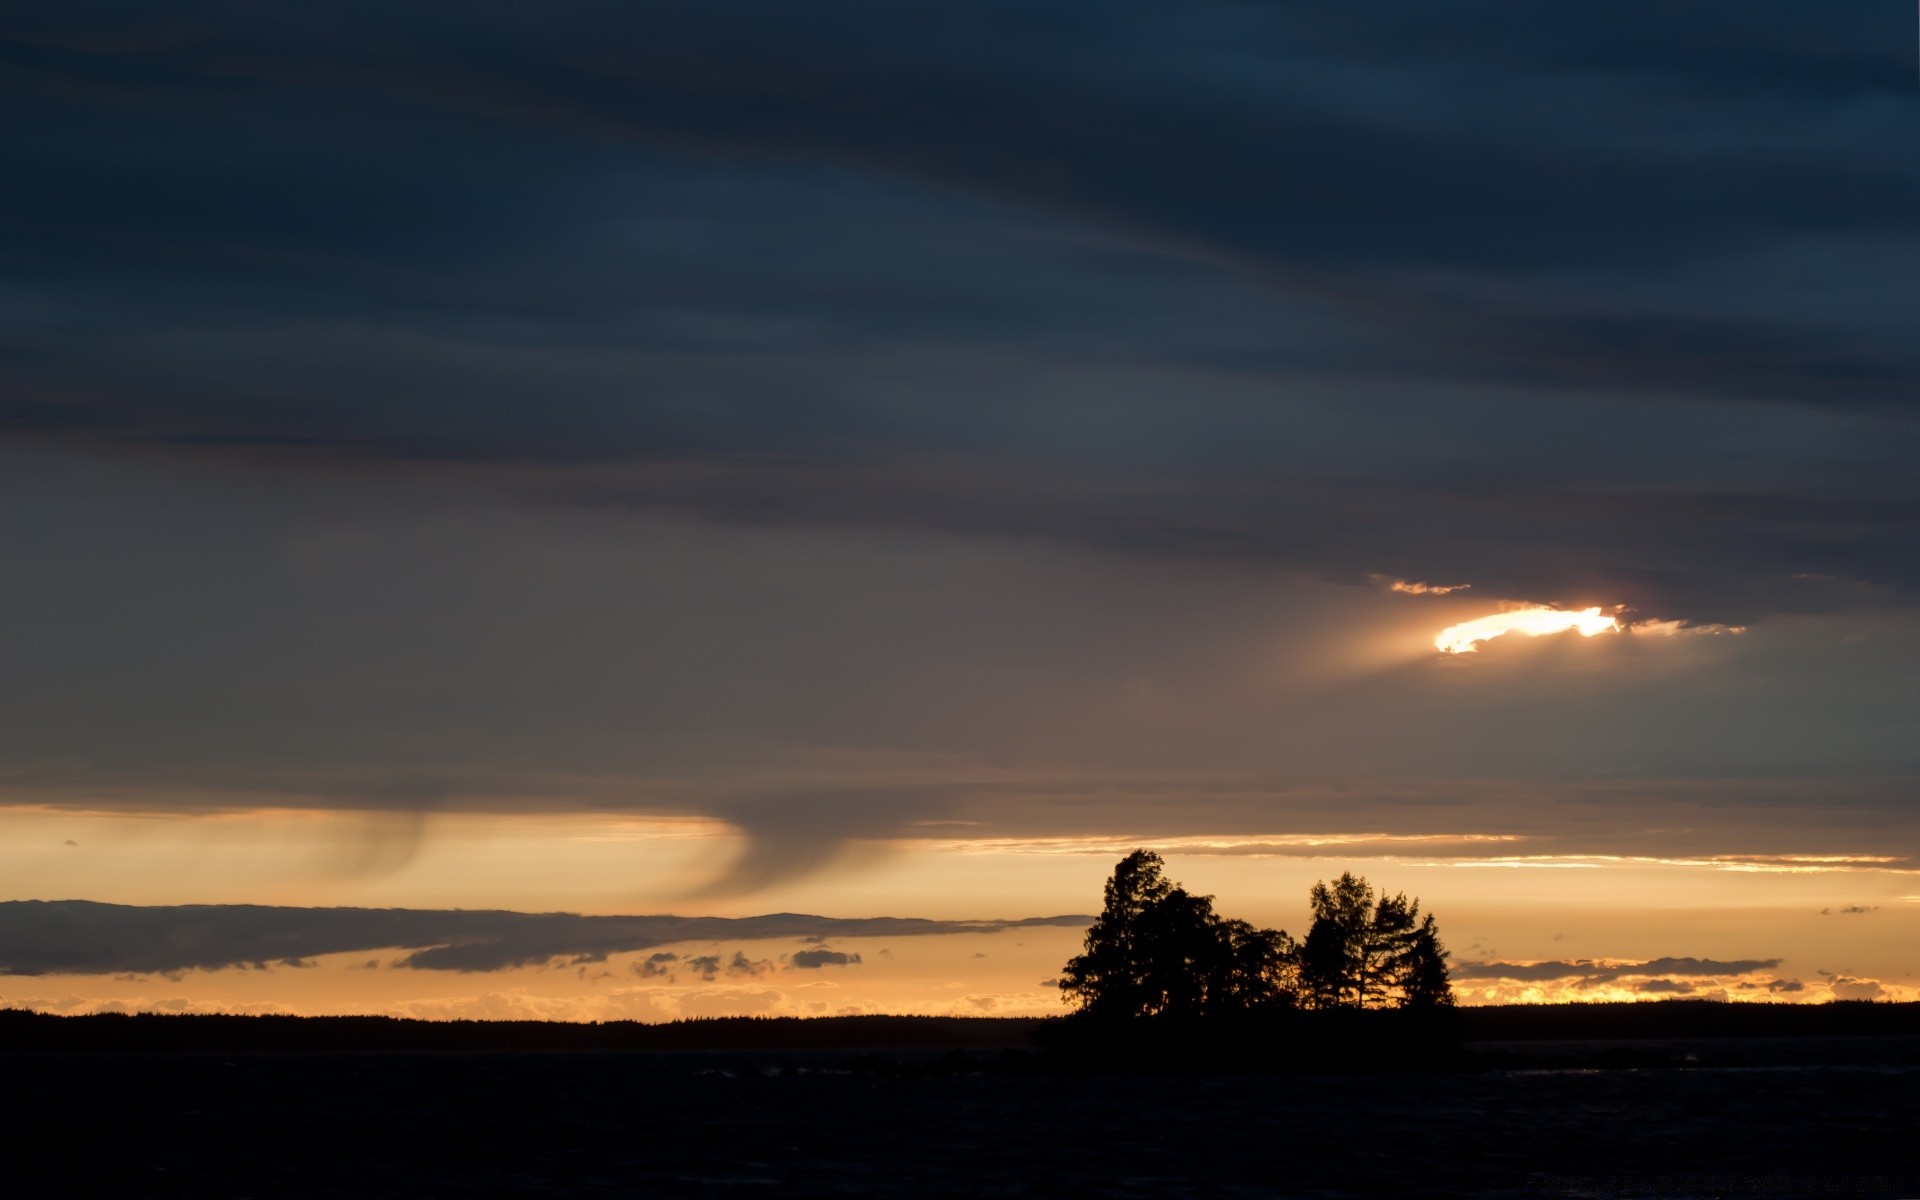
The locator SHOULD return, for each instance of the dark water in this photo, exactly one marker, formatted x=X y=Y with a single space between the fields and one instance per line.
x=716 y=1125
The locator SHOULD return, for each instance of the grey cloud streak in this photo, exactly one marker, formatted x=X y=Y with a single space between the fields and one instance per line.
x=813 y=960
x=87 y=938
x=1517 y=538
x=1588 y=971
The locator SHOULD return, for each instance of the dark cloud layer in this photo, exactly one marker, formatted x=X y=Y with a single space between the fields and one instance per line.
x=84 y=938
x=1608 y=298
x=837 y=419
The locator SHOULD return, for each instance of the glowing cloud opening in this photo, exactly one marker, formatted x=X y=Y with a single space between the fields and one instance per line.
x=1465 y=638
x=1412 y=587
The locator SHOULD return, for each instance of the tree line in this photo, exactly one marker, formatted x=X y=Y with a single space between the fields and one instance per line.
x=1160 y=952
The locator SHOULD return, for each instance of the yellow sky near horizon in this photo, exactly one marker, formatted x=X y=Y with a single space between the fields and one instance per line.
x=1838 y=928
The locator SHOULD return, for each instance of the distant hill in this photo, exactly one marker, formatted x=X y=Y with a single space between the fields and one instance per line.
x=21 y=1030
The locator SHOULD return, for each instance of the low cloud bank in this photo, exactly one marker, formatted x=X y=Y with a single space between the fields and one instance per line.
x=1586 y=972
x=80 y=937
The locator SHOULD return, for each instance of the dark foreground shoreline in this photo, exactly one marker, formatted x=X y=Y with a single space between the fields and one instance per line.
x=712 y=1124
x=1827 y=1104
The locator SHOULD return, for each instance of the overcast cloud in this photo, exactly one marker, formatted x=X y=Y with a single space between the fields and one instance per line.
x=836 y=418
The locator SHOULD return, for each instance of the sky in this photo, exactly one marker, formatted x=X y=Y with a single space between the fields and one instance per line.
x=470 y=472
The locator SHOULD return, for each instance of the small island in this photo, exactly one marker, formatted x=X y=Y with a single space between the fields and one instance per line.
x=1165 y=981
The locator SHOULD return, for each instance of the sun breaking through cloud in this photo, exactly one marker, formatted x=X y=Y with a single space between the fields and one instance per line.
x=1534 y=621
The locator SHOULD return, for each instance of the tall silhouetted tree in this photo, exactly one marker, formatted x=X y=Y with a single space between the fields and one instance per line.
x=1112 y=978
x=1423 y=971
x=1331 y=957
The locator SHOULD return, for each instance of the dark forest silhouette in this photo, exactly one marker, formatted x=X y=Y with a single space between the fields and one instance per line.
x=1164 y=978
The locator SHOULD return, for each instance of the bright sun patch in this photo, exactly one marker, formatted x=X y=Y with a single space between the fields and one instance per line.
x=1411 y=587
x=1534 y=621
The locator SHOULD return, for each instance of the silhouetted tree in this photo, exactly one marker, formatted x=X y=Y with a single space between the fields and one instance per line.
x=1331 y=956
x=1255 y=969
x=1423 y=970
x=1158 y=950
x=1111 y=979
x=1368 y=951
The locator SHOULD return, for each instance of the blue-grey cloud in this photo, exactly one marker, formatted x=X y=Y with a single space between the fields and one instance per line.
x=657 y=964
x=75 y=937
x=710 y=967
x=1588 y=971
